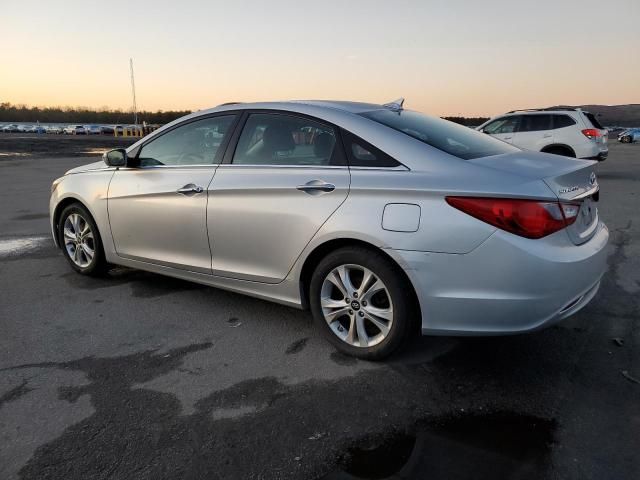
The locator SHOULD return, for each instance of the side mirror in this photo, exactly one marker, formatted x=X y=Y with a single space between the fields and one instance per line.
x=115 y=158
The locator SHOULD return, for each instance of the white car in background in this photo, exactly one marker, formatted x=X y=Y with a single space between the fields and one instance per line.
x=568 y=131
x=93 y=129
x=12 y=128
x=75 y=130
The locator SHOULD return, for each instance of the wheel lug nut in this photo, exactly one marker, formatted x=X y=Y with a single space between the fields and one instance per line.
x=361 y=314
x=355 y=294
x=347 y=300
x=350 y=312
x=364 y=303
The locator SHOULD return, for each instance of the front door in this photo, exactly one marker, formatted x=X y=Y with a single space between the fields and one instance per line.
x=158 y=204
x=503 y=128
x=286 y=177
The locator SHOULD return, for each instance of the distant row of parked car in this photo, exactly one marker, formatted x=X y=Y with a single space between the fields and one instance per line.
x=68 y=130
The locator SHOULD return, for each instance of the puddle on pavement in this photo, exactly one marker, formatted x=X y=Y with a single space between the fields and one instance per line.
x=19 y=245
x=500 y=445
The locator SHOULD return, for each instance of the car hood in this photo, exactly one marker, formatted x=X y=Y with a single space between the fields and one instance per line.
x=89 y=167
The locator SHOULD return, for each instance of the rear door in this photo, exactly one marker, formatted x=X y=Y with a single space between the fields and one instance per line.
x=283 y=180
x=535 y=132
x=503 y=128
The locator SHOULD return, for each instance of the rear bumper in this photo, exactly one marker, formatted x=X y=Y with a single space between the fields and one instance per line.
x=507 y=285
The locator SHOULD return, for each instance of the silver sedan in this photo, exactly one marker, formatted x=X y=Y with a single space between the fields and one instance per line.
x=384 y=222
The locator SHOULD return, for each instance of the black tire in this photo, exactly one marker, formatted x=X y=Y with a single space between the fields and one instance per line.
x=98 y=264
x=565 y=152
x=626 y=139
x=397 y=285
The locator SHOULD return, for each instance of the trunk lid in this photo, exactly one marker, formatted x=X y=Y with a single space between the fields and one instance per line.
x=579 y=187
x=571 y=180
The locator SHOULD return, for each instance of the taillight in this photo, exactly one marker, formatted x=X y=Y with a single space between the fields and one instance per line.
x=591 y=133
x=526 y=218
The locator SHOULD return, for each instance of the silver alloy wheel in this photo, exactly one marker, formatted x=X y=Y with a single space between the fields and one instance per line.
x=78 y=240
x=356 y=305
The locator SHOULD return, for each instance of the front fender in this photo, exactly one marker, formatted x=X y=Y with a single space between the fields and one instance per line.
x=90 y=189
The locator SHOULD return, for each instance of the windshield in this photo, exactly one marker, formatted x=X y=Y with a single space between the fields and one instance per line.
x=463 y=142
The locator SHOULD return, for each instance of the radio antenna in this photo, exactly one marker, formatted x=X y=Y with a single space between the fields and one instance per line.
x=133 y=93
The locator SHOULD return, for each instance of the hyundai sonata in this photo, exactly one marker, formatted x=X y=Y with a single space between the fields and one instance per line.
x=380 y=220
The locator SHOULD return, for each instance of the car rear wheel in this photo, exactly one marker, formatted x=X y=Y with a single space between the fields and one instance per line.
x=625 y=139
x=565 y=152
x=80 y=240
x=361 y=302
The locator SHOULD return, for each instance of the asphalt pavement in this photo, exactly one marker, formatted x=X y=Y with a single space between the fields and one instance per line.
x=136 y=375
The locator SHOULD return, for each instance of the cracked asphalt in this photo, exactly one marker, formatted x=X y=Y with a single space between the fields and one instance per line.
x=141 y=376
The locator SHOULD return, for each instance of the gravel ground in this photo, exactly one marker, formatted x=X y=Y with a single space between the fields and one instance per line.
x=142 y=376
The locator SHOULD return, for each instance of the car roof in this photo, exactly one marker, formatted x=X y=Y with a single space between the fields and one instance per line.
x=297 y=105
x=542 y=112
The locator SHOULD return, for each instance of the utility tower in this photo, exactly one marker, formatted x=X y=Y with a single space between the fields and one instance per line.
x=133 y=92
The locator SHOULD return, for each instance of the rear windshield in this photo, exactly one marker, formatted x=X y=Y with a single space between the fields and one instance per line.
x=594 y=121
x=463 y=142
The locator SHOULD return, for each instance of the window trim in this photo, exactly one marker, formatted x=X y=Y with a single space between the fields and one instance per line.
x=219 y=154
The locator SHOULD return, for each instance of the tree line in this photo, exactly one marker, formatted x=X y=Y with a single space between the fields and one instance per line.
x=24 y=113
x=468 y=121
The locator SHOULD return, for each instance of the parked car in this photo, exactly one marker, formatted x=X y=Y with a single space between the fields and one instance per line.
x=54 y=129
x=571 y=132
x=93 y=130
x=629 y=136
x=384 y=222
x=106 y=130
x=13 y=128
x=75 y=130
x=25 y=128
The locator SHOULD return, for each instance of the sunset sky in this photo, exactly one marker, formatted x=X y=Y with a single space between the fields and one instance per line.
x=445 y=57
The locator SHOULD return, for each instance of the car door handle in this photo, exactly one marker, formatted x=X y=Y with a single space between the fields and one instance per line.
x=315 y=187
x=190 y=188
x=547 y=135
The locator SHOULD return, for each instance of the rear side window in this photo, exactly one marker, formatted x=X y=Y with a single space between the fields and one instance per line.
x=593 y=120
x=363 y=154
x=462 y=142
x=277 y=139
x=561 y=121
x=535 y=123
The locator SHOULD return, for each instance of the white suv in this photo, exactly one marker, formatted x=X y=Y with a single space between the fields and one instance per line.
x=571 y=132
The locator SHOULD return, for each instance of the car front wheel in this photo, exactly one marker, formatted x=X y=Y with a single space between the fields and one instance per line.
x=362 y=302
x=80 y=240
